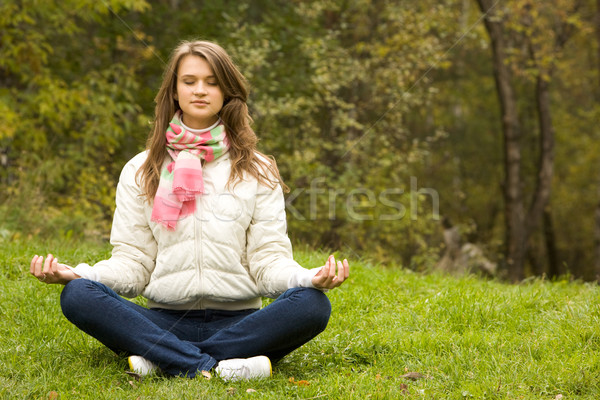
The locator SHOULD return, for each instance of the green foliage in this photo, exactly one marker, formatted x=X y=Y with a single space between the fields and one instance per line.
x=345 y=78
x=67 y=117
x=467 y=337
x=356 y=99
x=470 y=156
x=329 y=101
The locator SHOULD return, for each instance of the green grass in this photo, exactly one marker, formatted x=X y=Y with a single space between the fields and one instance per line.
x=471 y=338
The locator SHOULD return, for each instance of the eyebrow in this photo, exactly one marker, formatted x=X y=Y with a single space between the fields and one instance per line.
x=195 y=76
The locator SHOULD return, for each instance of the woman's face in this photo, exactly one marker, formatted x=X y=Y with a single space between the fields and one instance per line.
x=199 y=95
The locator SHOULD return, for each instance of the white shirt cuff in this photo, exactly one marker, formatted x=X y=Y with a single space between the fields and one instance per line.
x=85 y=271
x=303 y=278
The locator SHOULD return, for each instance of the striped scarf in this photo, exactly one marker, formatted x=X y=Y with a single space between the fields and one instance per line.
x=181 y=181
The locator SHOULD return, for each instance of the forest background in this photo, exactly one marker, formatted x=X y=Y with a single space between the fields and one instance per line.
x=387 y=118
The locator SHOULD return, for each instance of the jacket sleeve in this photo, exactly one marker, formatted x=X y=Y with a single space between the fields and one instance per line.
x=128 y=269
x=269 y=248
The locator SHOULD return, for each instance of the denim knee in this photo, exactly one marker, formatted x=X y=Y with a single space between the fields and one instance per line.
x=73 y=296
x=317 y=305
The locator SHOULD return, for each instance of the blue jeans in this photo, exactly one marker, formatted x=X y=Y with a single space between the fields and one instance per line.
x=182 y=343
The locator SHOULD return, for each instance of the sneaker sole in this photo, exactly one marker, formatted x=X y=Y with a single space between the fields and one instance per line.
x=130 y=364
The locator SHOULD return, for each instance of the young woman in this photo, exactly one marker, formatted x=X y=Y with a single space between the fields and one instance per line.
x=200 y=231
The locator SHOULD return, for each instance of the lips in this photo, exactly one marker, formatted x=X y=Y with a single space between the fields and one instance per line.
x=200 y=103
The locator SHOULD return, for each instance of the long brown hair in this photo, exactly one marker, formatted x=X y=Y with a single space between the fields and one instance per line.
x=234 y=114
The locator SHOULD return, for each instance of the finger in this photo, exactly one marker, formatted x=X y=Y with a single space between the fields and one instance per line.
x=346 y=269
x=320 y=278
x=37 y=269
x=325 y=269
x=341 y=275
x=331 y=271
x=47 y=264
x=61 y=267
x=320 y=270
x=54 y=267
x=32 y=264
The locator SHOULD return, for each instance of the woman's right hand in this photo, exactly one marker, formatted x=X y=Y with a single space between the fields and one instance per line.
x=50 y=271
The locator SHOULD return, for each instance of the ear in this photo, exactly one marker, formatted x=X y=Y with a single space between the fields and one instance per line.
x=175 y=96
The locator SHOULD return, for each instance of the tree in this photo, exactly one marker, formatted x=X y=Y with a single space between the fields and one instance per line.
x=597 y=214
x=514 y=213
x=534 y=27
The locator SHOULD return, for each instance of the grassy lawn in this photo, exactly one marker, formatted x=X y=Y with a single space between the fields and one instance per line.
x=468 y=338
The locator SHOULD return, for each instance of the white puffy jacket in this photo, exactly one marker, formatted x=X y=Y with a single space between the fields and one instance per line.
x=227 y=255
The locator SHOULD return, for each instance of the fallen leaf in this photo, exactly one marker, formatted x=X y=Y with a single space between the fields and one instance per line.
x=299 y=383
x=377 y=377
x=206 y=374
x=134 y=375
x=52 y=395
x=558 y=397
x=413 y=376
x=231 y=391
x=132 y=384
x=250 y=390
x=404 y=387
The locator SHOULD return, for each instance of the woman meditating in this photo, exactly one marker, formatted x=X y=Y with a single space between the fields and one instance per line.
x=199 y=230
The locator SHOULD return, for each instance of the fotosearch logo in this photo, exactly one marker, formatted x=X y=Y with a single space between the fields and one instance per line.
x=362 y=204
x=316 y=203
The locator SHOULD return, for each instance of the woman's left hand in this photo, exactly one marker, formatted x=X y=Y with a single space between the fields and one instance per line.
x=327 y=278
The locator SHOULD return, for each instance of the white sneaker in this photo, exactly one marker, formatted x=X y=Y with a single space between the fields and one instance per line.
x=244 y=368
x=140 y=365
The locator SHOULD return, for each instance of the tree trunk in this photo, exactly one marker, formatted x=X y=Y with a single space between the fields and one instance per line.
x=550 y=240
x=597 y=228
x=514 y=215
x=546 y=160
x=597 y=237
x=598 y=44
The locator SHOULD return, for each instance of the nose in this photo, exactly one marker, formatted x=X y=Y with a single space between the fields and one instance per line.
x=200 y=89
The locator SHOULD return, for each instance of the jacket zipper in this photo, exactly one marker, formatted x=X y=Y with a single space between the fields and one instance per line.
x=199 y=253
